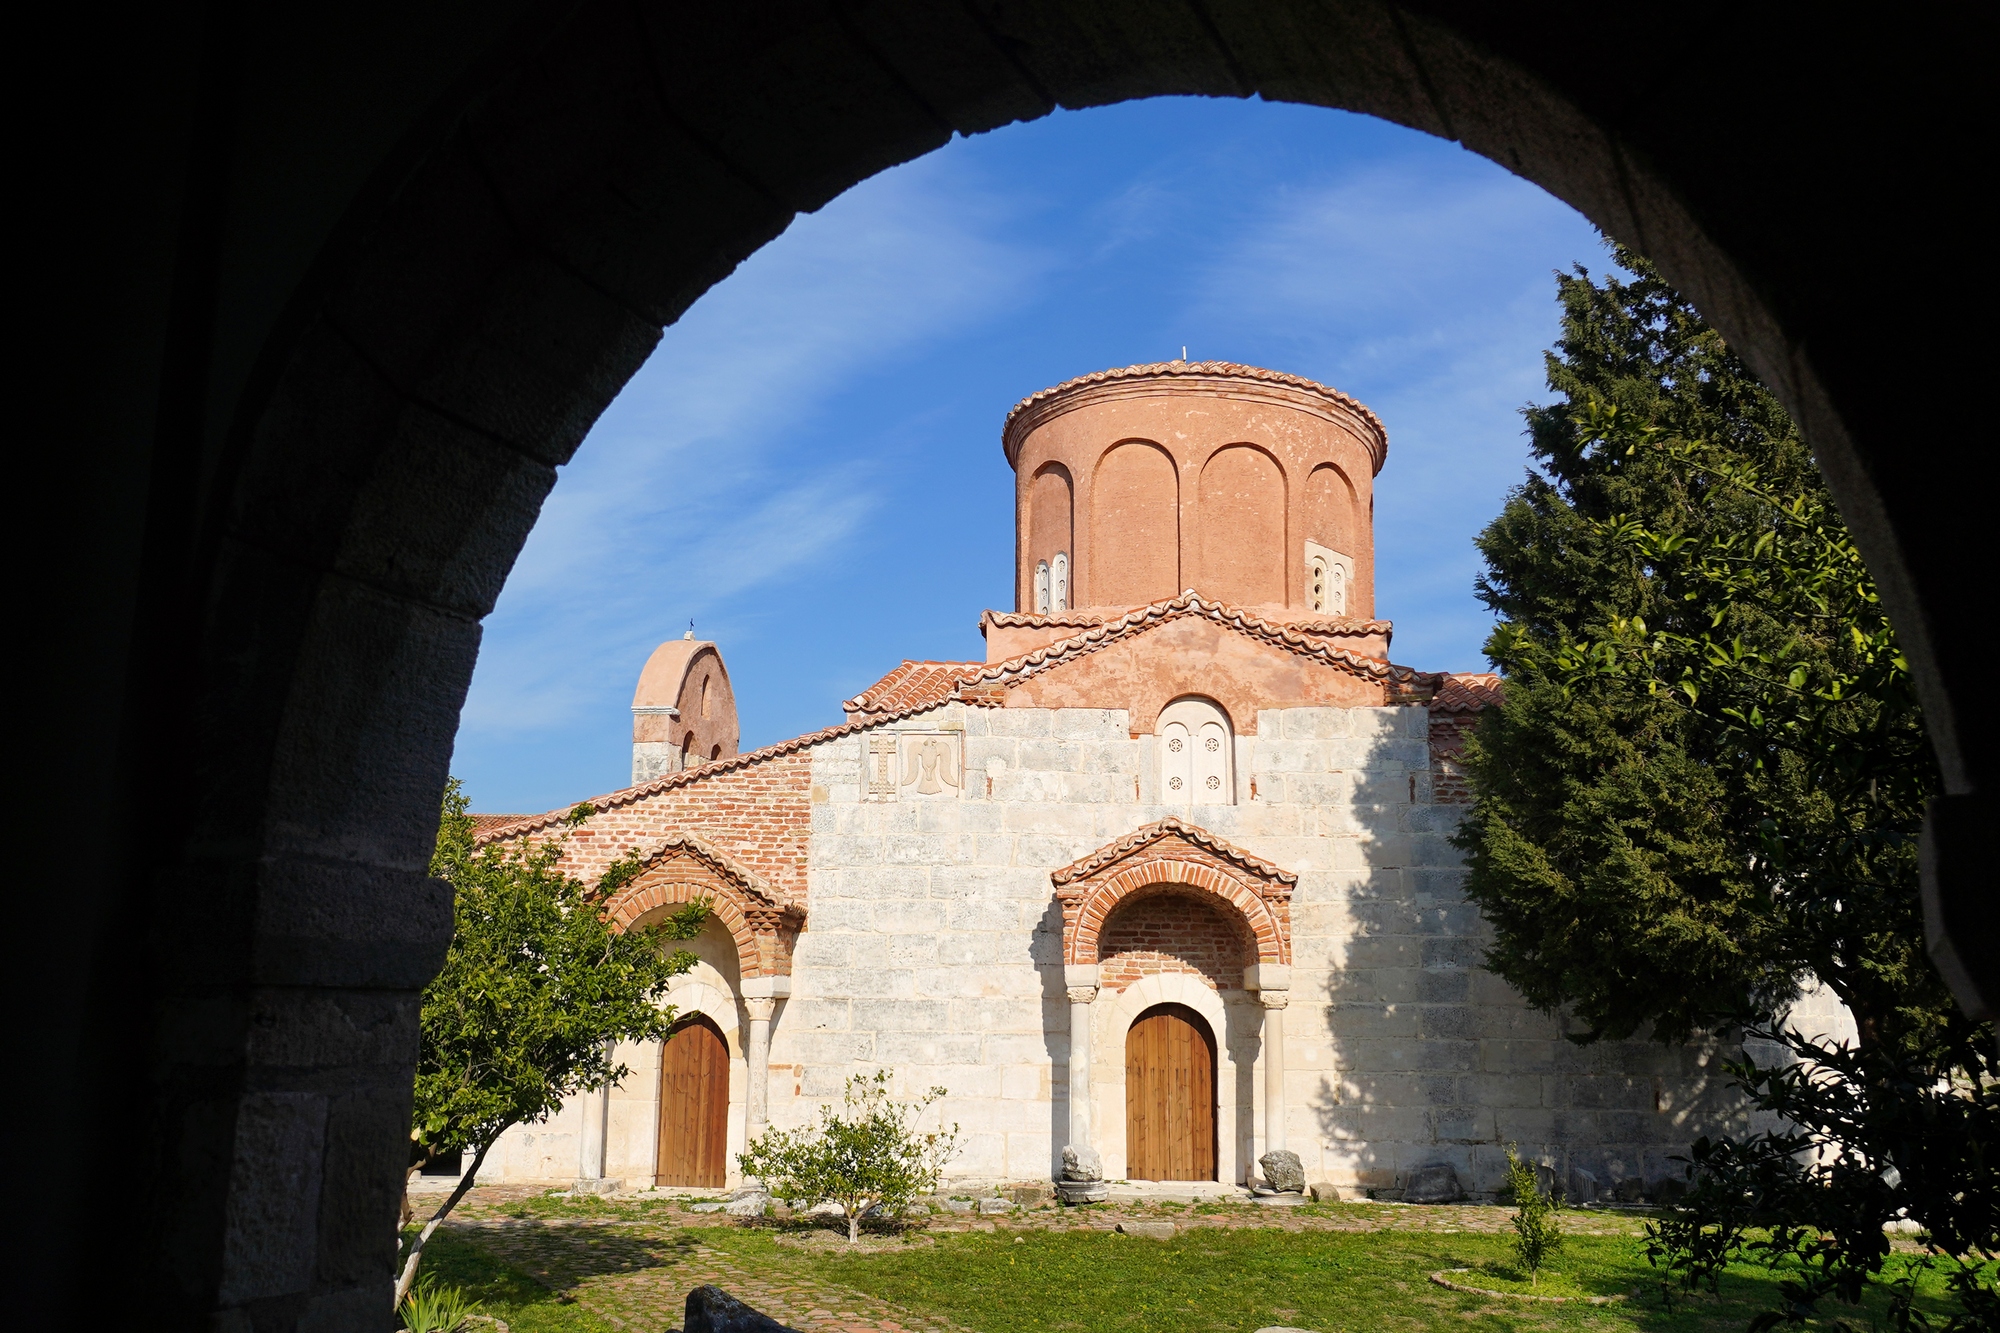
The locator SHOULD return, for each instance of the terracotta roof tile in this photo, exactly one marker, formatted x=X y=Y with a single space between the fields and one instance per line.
x=912 y=685
x=480 y=823
x=1466 y=691
x=1276 y=633
x=1151 y=833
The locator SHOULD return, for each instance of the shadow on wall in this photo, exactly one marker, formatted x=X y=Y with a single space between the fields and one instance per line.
x=1434 y=1060
x=1045 y=952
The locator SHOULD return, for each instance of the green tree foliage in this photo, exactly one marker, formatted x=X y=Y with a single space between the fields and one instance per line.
x=1538 y=1234
x=868 y=1155
x=1705 y=787
x=535 y=992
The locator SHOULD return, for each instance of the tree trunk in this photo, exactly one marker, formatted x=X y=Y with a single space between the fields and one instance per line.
x=853 y=1225
x=408 y=1277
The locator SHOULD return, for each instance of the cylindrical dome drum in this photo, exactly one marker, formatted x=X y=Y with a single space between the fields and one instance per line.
x=1249 y=486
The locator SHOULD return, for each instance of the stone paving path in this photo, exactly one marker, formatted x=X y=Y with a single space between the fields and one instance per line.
x=635 y=1270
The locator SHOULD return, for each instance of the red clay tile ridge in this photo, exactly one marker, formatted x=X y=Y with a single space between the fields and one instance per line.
x=1211 y=376
x=669 y=781
x=480 y=823
x=1467 y=692
x=911 y=684
x=1336 y=625
x=1191 y=603
x=1148 y=834
x=1031 y=620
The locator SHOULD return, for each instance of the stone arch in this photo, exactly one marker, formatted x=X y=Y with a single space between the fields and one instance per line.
x=338 y=428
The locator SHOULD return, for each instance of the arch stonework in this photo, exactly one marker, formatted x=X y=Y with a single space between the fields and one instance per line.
x=1174 y=852
x=333 y=412
x=681 y=869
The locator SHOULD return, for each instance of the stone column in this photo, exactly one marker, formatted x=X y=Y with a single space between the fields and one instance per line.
x=1081 y=982
x=1273 y=984
x=596 y=1110
x=760 y=998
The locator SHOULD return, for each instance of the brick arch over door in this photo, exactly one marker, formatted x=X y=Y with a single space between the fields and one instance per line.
x=684 y=869
x=1084 y=926
x=352 y=348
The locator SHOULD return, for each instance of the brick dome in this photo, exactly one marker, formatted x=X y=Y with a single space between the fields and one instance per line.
x=1250 y=486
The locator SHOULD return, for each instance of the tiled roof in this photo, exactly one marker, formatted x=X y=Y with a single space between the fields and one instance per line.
x=1276 y=633
x=1466 y=691
x=1153 y=832
x=1086 y=619
x=480 y=823
x=686 y=777
x=911 y=685
x=929 y=684
x=1195 y=370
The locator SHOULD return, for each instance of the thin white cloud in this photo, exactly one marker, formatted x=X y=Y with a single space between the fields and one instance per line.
x=689 y=492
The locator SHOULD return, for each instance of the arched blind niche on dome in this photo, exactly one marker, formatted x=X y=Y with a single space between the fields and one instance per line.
x=1135 y=527
x=1051 y=530
x=1197 y=754
x=1331 y=527
x=1243 y=527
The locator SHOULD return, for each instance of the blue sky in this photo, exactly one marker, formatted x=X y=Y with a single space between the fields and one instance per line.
x=809 y=467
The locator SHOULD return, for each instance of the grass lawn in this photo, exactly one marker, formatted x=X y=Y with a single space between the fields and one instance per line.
x=1208 y=1279
x=1238 y=1281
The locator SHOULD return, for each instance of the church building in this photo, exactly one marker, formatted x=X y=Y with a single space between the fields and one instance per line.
x=1167 y=875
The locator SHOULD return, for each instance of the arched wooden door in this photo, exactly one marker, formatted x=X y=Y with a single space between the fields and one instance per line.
x=1170 y=1096
x=694 y=1106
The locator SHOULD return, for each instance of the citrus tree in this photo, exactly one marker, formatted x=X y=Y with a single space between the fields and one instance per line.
x=867 y=1154
x=536 y=991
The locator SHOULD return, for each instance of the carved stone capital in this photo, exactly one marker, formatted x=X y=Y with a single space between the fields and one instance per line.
x=1082 y=994
x=1274 y=999
x=761 y=1008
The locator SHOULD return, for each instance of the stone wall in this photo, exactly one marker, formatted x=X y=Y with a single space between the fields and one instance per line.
x=934 y=949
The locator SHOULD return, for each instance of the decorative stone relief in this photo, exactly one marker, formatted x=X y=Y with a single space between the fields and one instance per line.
x=882 y=770
x=930 y=764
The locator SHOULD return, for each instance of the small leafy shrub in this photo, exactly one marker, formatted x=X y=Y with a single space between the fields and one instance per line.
x=867 y=1156
x=1538 y=1235
x=434 y=1308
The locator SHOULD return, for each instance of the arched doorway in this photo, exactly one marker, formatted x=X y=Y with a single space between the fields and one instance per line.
x=694 y=1106
x=1170 y=1096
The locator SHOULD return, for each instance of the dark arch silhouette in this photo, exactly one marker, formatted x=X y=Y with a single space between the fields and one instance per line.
x=329 y=293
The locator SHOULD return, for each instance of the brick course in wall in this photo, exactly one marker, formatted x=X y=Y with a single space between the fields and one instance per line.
x=1172 y=932
x=758 y=813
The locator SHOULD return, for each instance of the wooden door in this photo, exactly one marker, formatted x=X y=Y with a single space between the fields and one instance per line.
x=1169 y=1096
x=694 y=1106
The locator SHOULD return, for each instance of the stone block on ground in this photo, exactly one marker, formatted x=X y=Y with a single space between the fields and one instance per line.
x=959 y=1205
x=1433 y=1184
x=711 y=1206
x=748 y=1203
x=1283 y=1171
x=710 y=1309
x=1631 y=1190
x=1149 y=1230
x=1032 y=1196
x=1583 y=1185
x=995 y=1206
x=597 y=1187
x=1670 y=1191
x=1082 y=1191
x=1324 y=1191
